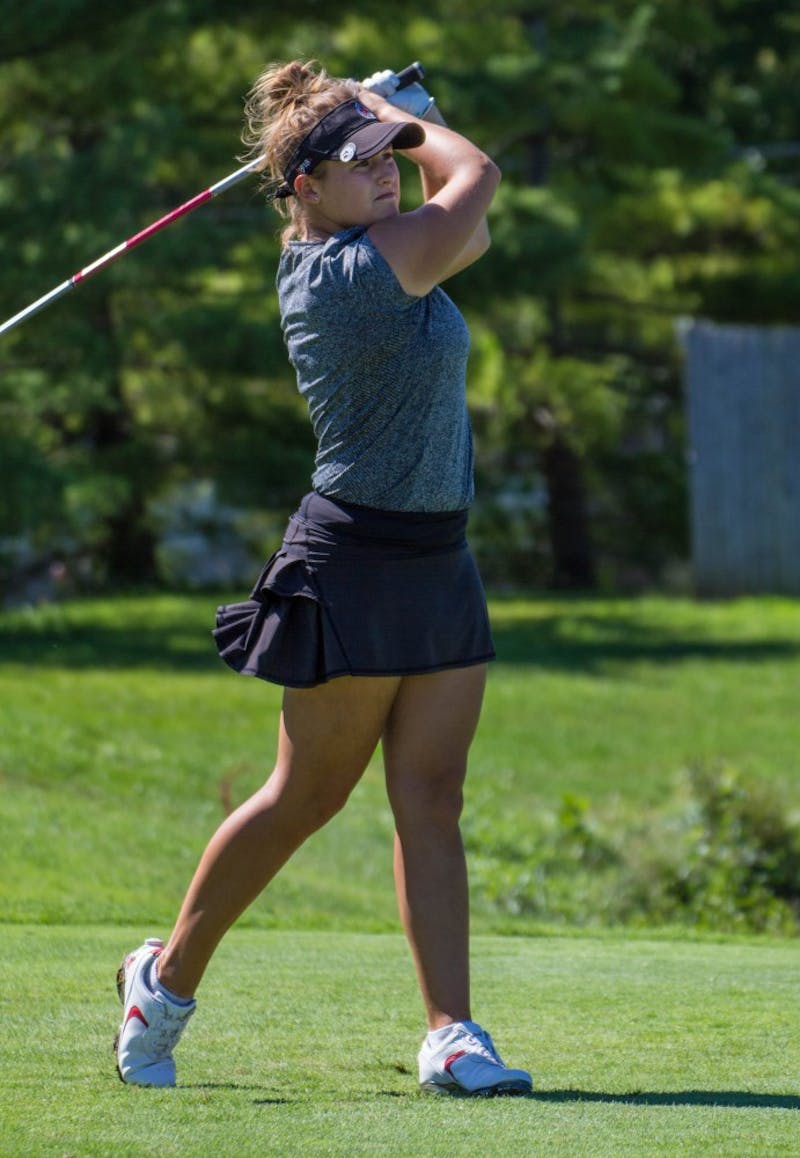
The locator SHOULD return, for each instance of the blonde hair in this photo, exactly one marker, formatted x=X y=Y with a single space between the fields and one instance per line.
x=282 y=107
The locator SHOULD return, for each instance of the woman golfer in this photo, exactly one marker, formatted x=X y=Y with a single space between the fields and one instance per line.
x=372 y=614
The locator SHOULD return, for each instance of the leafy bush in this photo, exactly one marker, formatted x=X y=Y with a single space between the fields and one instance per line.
x=728 y=857
x=723 y=855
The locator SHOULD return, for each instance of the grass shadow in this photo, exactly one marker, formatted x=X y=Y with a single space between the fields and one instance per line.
x=162 y=633
x=568 y=639
x=173 y=633
x=732 y=1099
x=238 y=1087
x=719 y=1099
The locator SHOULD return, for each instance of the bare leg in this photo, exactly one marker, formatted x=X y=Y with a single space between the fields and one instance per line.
x=425 y=748
x=327 y=736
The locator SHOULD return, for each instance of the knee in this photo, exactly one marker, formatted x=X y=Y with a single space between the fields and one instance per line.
x=434 y=801
x=323 y=807
x=303 y=809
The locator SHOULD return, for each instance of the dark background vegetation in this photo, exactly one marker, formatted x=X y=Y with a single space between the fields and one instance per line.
x=650 y=152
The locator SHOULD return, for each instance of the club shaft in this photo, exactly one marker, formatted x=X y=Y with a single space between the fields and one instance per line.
x=137 y=239
x=410 y=74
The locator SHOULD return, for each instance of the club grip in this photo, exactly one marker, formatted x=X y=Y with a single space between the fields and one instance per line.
x=409 y=75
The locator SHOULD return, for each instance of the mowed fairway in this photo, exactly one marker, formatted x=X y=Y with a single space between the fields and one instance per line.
x=305 y=1043
x=122 y=743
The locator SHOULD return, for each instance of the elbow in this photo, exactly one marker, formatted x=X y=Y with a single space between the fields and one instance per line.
x=492 y=176
x=492 y=171
x=482 y=172
x=489 y=181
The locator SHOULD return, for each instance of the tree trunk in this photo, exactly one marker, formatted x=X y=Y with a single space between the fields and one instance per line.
x=568 y=519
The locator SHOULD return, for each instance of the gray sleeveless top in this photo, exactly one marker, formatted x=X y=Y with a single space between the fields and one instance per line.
x=384 y=376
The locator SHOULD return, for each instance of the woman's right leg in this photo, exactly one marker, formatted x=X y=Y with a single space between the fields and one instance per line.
x=327 y=736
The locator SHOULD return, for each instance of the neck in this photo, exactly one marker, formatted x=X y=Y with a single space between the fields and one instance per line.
x=314 y=233
x=317 y=226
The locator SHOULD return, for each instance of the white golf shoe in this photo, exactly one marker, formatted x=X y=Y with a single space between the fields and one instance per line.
x=461 y=1060
x=151 y=1023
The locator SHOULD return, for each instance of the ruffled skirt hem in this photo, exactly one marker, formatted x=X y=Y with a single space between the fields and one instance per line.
x=329 y=604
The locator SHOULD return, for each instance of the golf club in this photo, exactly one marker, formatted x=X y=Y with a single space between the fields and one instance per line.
x=409 y=75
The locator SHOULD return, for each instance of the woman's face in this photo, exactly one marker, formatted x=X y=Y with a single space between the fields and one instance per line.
x=354 y=192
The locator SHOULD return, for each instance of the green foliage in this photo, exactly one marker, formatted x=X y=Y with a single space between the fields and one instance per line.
x=728 y=857
x=650 y=157
x=723 y=855
x=30 y=487
x=657 y=197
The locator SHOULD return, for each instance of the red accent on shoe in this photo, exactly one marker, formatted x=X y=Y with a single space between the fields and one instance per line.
x=135 y=1011
x=453 y=1058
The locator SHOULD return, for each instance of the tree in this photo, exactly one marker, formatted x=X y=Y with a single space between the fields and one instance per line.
x=632 y=195
x=152 y=370
x=649 y=152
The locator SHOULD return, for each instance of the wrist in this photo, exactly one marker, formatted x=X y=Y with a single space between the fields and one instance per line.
x=410 y=103
x=378 y=105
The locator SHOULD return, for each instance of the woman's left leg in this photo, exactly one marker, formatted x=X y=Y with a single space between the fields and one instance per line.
x=425 y=745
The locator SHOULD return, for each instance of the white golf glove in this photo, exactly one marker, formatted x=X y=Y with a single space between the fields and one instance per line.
x=413 y=99
x=384 y=83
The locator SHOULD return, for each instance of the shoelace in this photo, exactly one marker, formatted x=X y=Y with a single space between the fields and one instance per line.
x=485 y=1046
x=164 y=1035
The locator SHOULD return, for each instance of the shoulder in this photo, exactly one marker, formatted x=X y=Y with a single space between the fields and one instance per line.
x=348 y=261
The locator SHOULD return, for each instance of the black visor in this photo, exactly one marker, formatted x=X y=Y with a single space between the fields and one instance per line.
x=350 y=132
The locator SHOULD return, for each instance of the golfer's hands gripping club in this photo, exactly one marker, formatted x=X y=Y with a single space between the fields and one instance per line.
x=411 y=98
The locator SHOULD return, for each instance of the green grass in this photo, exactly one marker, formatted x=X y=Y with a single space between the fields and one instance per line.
x=123 y=739
x=305 y=1043
x=119 y=721
x=613 y=696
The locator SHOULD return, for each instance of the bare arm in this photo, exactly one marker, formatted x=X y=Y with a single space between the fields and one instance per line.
x=480 y=240
x=448 y=231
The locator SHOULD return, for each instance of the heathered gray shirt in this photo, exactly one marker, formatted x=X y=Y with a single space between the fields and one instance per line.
x=384 y=376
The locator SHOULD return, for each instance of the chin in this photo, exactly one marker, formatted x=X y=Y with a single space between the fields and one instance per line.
x=387 y=208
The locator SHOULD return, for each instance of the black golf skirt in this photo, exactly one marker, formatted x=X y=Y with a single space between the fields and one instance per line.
x=363 y=592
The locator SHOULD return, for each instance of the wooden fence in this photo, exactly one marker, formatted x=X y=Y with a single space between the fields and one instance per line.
x=743 y=401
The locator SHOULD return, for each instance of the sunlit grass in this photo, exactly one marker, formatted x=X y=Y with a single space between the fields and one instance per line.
x=306 y=1043
x=124 y=738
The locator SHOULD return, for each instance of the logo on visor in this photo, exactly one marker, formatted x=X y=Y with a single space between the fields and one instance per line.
x=347 y=151
x=363 y=111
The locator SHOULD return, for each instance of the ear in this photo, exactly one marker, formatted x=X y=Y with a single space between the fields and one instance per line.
x=306 y=188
